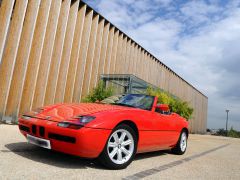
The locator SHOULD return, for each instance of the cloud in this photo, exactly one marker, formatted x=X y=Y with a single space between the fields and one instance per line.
x=197 y=39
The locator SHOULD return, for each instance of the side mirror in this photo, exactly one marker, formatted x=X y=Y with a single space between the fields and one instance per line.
x=162 y=107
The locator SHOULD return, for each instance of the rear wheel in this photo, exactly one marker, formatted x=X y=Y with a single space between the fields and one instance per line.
x=120 y=148
x=181 y=146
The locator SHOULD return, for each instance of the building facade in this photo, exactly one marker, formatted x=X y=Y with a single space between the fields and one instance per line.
x=55 y=51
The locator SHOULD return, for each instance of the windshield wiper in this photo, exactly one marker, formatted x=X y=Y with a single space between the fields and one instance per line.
x=121 y=104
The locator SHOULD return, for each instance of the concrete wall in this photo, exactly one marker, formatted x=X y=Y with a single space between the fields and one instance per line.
x=55 y=51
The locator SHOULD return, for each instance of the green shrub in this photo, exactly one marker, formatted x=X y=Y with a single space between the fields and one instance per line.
x=221 y=132
x=175 y=104
x=233 y=133
x=98 y=93
x=230 y=133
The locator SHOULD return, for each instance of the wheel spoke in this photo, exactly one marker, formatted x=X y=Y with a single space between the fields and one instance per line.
x=116 y=139
x=125 y=143
x=112 y=144
x=126 y=152
x=122 y=137
x=113 y=153
x=119 y=155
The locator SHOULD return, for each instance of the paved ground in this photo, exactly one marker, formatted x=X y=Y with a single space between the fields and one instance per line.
x=207 y=157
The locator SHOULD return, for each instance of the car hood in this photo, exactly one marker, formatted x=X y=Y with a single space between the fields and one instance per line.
x=69 y=111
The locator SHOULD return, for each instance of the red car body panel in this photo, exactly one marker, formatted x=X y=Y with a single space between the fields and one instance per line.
x=155 y=131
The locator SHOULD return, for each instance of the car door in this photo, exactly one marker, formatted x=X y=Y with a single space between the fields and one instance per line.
x=166 y=126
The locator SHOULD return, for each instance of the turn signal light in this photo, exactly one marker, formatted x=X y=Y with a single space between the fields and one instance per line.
x=69 y=125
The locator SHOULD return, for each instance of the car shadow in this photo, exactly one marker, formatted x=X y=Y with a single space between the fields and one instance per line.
x=50 y=157
x=147 y=155
x=62 y=160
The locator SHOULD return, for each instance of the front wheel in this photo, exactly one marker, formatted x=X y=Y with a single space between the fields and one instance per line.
x=181 y=146
x=120 y=148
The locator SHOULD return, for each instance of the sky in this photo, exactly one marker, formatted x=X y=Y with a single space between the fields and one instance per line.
x=199 y=40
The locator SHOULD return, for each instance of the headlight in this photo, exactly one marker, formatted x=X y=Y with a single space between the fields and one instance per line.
x=82 y=120
x=86 y=119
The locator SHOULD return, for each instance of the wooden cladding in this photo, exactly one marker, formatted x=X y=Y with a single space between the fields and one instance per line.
x=54 y=52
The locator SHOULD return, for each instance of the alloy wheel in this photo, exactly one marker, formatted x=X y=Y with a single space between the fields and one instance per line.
x=183 y=142
x=120 y=146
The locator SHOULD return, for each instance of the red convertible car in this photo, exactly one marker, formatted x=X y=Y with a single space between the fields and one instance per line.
x=114 y=132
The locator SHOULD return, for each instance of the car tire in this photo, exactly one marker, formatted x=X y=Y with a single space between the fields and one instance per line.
x=181 y=146
x=120 y=148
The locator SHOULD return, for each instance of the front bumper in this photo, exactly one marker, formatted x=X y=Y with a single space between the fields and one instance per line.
x=84 y=142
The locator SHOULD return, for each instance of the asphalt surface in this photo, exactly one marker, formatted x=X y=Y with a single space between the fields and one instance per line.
x=207 y=157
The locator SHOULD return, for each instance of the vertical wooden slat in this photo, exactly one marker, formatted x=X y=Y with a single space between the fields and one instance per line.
x=109 y=51
x=130 y=67
x=22 y=59
x=163 y=77
x=159 y=72
x=119 y=54
x=10 y=52
x=114 y=53
x=138 y=67
x=124 y=50
x=103 y=50
x=5 y=16
x=82 y=57
x=147 y=66
x=46 y=56
x=151 y=80
x=160 y=75
x=130 y=57
x=154 y=78
x=134 y=64
x=138 y=62
x=57 y=53
x=145 y=69
x=173 y=84
x=142 y=64
x=177 y=86
x=35 y=55
x=72 y=70
x=156 y=73
x=90 y=56
x=127 y=60
x=68 y=42
x=96 y=59
x=167 y=79
x=170 y=82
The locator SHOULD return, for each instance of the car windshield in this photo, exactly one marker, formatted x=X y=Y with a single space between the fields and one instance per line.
x=137 y=101
x=112 y=99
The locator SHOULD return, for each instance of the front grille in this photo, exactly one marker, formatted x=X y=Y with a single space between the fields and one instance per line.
x=41 y=131
x=62 y=138
x=34 y=129
x=24 y=128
